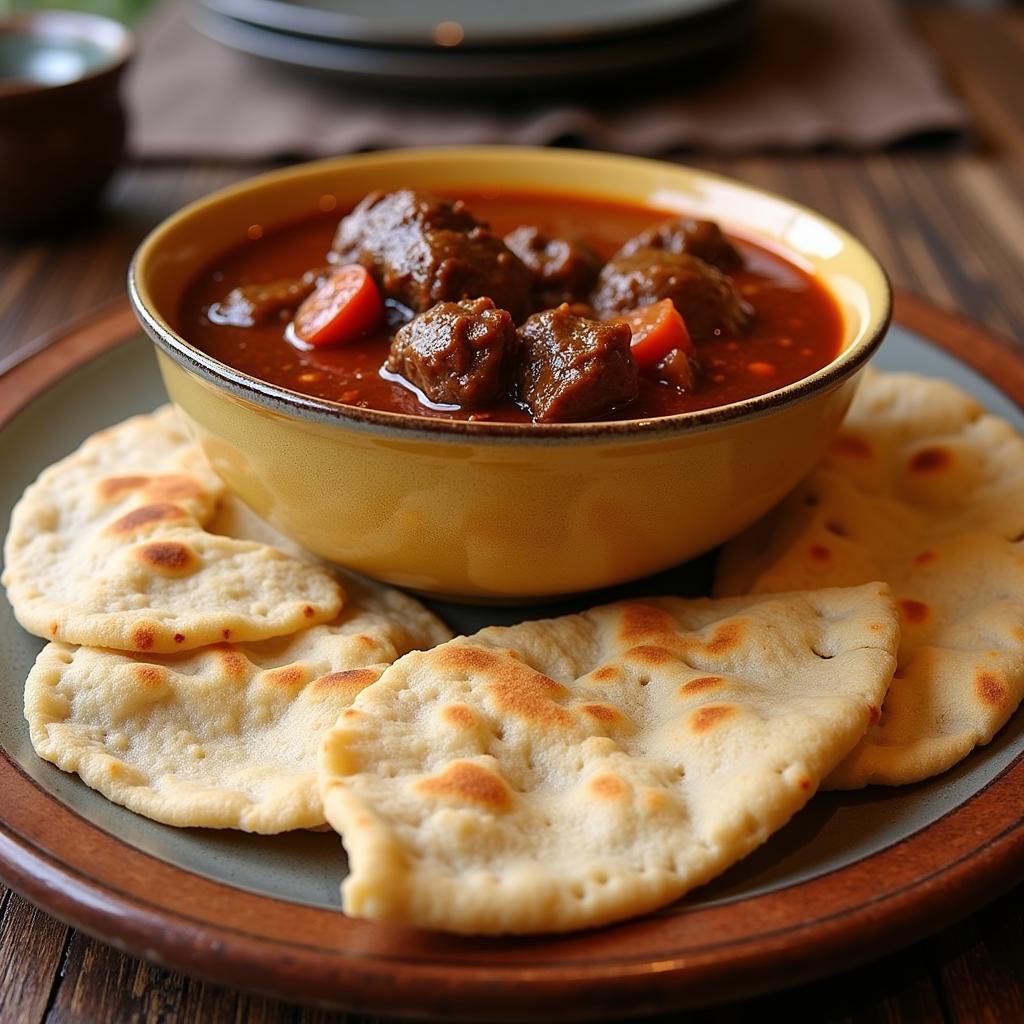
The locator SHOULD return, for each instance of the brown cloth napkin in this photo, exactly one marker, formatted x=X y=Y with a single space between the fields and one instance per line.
x=840 y=72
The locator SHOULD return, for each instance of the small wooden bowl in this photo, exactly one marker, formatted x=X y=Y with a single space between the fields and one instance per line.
x=62 y=125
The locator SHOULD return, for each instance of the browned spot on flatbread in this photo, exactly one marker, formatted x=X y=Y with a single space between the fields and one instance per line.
x=925 y=557
x=701 y=684
x=173 y=488
x=726 y=637
x=819 y=553
x=287 y=675
x=308 y=611
x=853 y=446
x=54 y=626
x=468 y=783
x=607 y=787
x=606 y=673
x=145 y=515
x=990 y=689
x=112 y=486
x=805 y=784
x=707 y=718
x=602 y=712
x=516 y=688
x=149 y=675
x=529 y=695
x=930 y=460
x=459 y=715
x=649 y=654
x=168 y=556
x=459 y=658
x=232 y=663
x=656 y=800
x=913 y=612
x=226 y=633
x=642 y=621
x=874 y=714
x=143 y=636
x=350 y=680
x=179 y=638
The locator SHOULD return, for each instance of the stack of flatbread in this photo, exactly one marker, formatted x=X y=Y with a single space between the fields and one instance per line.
x=193 y=666
x=553 y=775
x=924 y=490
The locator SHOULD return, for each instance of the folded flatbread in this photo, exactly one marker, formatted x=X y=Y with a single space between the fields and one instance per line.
x=569 y=772
x=921 y=489
x=224 y=736
x=109 y=548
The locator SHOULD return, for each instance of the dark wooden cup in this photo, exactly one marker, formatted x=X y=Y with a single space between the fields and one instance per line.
x=62 y=123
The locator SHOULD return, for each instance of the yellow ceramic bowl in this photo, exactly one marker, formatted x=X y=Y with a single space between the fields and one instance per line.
x=503 y=511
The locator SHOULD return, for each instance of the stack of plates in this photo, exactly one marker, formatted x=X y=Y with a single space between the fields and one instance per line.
x=496 y=45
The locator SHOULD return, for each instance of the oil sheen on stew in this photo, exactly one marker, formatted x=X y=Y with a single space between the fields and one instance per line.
x=778 y=324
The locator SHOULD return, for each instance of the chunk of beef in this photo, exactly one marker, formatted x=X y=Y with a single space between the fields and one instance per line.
x=456 y=353
x=423 y=250
x=701 y=238
x=706 y=298
x=572 y=368
x=253 y=305
x=564 y=270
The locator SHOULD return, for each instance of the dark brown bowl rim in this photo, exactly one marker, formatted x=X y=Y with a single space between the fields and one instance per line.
x=285 y=401
x=29 y=23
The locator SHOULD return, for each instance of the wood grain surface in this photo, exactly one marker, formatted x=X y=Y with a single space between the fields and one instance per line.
x=948 y=222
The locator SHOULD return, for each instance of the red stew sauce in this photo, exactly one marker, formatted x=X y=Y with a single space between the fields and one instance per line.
x=795 y=327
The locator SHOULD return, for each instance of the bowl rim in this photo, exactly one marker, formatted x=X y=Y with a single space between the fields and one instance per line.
x=288 y=402
x=50 y=24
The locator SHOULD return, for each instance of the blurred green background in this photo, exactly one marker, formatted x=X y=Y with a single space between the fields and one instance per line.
x=124 y=10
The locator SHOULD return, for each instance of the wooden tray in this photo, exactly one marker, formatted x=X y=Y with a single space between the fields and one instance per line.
x=753 y=933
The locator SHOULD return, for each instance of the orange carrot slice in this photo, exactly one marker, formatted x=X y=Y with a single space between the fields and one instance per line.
x=657 y=330
x=344 y=307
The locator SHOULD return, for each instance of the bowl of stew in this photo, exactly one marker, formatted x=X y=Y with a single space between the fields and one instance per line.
x=508 y=373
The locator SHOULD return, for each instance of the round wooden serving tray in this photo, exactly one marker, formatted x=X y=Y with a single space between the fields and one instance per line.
x=695 y=952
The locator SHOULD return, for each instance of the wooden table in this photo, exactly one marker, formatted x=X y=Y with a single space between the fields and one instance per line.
x=947 y=221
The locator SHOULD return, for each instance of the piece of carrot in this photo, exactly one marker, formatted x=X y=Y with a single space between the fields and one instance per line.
x=344 y=307
x=658 y=329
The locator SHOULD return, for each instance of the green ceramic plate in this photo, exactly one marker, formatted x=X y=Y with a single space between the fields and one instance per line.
x=853 y=876
x=835 y=830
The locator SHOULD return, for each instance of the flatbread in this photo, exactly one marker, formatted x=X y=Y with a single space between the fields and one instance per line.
x=924 y=490
x=570 y=772
x=108 y=548
x=225 y=736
